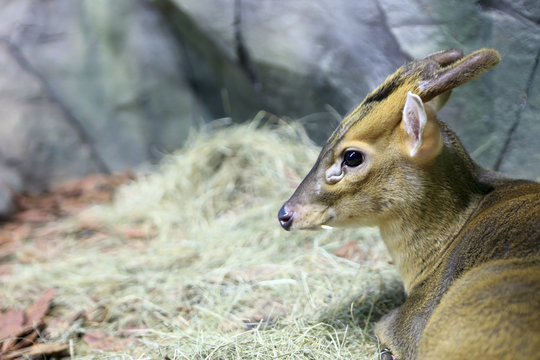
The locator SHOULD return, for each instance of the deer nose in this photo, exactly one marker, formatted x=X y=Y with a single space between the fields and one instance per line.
x=285 y=217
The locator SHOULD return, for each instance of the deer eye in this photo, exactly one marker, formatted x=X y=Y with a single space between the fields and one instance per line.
x=353 y=158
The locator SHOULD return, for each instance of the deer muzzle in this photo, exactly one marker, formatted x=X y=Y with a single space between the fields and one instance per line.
x=285 y=217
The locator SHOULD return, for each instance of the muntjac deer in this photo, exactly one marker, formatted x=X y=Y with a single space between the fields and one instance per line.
x=465 y=239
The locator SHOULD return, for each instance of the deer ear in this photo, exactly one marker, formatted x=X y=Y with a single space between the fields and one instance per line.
x=414 y=121
x=422 y=139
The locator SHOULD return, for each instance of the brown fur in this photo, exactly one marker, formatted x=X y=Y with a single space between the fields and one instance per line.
x=466 y=240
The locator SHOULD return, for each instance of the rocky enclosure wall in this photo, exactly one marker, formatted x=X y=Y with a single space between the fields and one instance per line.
x=97 y=85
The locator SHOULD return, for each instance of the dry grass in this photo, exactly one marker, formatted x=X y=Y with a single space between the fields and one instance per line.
x=215 y=277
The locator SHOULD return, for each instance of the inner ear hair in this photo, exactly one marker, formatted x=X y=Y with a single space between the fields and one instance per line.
x=414 y=121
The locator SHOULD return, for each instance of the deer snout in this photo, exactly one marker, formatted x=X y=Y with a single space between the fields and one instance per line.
x=285 y=217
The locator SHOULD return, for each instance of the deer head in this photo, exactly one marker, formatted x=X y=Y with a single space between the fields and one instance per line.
x=369 y=168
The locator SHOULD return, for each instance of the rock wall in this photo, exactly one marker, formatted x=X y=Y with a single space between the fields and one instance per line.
x=96 y=85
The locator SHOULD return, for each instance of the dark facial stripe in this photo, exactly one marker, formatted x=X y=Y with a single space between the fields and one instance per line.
x=393 y=82
x=383 y=91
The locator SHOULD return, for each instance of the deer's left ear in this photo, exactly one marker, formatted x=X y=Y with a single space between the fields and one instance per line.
x=414 y=121
x=423 y=138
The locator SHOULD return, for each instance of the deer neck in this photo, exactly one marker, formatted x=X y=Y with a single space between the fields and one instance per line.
x=418 y=232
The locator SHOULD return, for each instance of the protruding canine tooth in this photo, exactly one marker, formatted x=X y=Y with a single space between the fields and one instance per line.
x=326 y=227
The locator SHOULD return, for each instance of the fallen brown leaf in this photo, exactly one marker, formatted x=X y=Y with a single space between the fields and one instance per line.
x=98 y=340
x=50 y=230
x=35 y=216
x=18 y=327
x=17 y=334
x=29 y=340
x=265 y=312
x=253 y=273
x=11 y=236
x=229 y=325
x=36 y=311
x=6 y=269
x=138 y=330
x=132 y=232
x=20 y=232
x=10 y=323
x=5 y=238
x=67 y=198
x=351 y=251
x=9 y=248
x=37 y=351
x=98 y=314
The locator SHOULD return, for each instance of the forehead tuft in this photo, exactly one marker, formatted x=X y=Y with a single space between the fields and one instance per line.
x=385 y=99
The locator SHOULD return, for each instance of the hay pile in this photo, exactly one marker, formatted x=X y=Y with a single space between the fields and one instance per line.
x=214 y=276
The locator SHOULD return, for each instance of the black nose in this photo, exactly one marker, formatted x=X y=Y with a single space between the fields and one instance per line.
x=285 y=218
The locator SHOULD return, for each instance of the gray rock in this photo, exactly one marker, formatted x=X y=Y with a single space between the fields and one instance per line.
x=333 y=52
x=89 y=86
x=10 y=182
x=11 y=179
x=7 y=205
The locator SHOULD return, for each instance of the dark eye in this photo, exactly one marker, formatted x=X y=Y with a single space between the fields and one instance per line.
x=353 y=158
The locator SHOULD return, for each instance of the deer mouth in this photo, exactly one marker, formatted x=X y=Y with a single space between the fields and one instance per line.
x=305 y=217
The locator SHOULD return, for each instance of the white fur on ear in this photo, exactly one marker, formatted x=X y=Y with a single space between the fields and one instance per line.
x=414 y=121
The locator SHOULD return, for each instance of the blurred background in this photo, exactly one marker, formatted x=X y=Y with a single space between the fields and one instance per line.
x=92 y=86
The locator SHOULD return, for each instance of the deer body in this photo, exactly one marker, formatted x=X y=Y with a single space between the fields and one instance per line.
x=466 y=240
